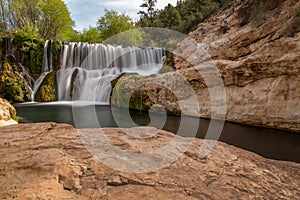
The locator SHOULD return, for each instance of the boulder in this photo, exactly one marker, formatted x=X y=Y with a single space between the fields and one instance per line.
x=7 y=113
x=50 y=161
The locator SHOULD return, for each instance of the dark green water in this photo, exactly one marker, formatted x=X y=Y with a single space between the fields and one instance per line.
x=270 y=143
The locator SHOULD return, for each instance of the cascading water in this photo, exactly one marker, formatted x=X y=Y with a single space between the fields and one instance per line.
x=86 y=70
x=46 y=68
x=48 y=57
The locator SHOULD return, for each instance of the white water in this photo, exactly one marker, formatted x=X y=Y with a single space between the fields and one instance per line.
x=86 y=70
x=47 y=59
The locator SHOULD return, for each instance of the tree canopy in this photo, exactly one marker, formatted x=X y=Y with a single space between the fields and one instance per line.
x=92 y=34
x=148 y=12
x=51 y=18
x=113 y=23
x=183 y=17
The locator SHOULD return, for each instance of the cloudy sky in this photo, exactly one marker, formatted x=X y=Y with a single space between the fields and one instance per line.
x=86 y=12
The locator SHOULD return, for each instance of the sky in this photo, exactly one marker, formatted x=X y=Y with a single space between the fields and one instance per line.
x=86 y=12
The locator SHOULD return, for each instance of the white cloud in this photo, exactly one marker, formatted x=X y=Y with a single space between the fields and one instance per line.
x=86 y=12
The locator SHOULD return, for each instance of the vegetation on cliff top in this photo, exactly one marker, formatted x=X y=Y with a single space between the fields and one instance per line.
x=50 y=19
x=183 y=17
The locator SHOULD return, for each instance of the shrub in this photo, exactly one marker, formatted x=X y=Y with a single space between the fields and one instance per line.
x=257 y=15
x=297 y=14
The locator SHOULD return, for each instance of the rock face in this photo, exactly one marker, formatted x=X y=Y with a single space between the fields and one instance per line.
x=257 y=55
x=49 y=161
x=7 y=112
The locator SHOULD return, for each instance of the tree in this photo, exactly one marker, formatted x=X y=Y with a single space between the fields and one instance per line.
x=147 y=17
x=184 y=17
x=132 y=37
x=55 y=20
x=88 y=35
x=113 y=23
x=169 y=17
x=16 y=14
x=50 y=17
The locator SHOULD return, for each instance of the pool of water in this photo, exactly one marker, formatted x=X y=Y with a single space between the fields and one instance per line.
x=270 y=143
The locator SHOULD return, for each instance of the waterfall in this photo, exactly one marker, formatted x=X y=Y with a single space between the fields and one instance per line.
x=86 y=70
x=47 y=59
x=46 y=68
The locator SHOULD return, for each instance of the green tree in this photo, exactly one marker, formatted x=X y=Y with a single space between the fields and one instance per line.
x=148 y=13
x=88 y=35
x=169 y=17
x=132 y=37
x=55 y=20
x=186 y=15
x=113 y=23
x=50 y=17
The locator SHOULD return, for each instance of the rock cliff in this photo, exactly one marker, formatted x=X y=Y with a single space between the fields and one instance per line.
x=255 y=46
x=49 y=161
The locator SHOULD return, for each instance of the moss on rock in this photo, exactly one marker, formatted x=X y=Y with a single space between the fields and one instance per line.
x=47 y=90
x=29 y=51
x=13 y=85
x=141 y=93
x=124 y=96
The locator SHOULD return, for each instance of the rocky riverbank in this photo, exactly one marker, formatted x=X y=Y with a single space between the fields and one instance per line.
x=49 y=161
x=257 y=59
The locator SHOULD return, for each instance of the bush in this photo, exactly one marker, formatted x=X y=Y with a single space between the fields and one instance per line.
x=257 y=15
x=297 y=14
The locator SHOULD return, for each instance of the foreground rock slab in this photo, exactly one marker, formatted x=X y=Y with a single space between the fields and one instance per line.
x=49 y=161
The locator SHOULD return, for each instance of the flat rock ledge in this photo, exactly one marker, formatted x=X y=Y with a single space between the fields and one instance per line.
x=49 y=161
